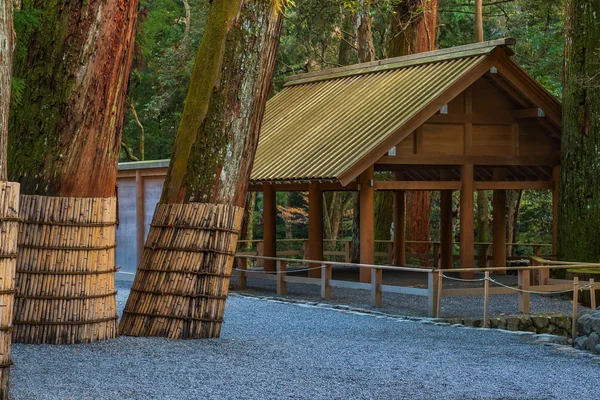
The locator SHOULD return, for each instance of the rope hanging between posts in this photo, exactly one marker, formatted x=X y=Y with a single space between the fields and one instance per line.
x=535 y=292
x=463 y=280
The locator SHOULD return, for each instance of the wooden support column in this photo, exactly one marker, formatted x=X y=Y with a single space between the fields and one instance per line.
x=270 y=227
x=367 y=223
x=499 y=225
x=399 y=225
x=467 y=231
x=446 y=259
x=140 y=215
x=556 y=178
x=315 y=226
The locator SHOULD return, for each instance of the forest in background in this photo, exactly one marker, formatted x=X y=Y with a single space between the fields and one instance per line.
x=321 y=34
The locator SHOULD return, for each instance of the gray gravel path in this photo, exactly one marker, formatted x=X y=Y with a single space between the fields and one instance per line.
x=273 y=350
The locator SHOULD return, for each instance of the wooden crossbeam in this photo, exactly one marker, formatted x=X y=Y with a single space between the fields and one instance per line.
x=433 y=159
x=514 y=185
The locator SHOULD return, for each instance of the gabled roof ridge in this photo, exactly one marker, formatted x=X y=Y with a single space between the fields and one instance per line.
x=450 y=53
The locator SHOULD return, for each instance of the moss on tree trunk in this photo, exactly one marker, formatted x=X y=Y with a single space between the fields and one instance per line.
x=7 y=39
x=65 y=135
x=579 y=198
x=218 y=134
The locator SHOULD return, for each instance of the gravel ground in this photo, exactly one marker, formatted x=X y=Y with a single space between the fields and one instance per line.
x=398 y=304
x=273 y=350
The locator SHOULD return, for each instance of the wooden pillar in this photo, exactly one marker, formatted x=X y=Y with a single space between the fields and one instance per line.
x=140 y=215
x=315 y=227
x=556 y=178
x=499 y=225
x=270 y=227
x=399 y=228
x=367 y=223
x=467 y=231
x=446 y=259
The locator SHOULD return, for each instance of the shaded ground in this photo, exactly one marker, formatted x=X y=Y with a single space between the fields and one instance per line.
x=398 y=304
x=273 y=350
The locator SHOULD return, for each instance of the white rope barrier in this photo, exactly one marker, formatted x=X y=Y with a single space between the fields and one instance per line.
x=463 y=280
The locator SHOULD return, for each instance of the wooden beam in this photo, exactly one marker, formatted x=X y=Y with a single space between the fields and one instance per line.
x=140 y=215
x=435 y=159
x=502 y=84
x=367 y=222
x=467 y=229
x=270 y=227
x=303 y=187
x=315 y=227
x=485 y=119
x=417 y=185
x=514 y=185
x=523 y=113
x=399 y=226
x=446 y=240
x=499 y=224
x=515 y=133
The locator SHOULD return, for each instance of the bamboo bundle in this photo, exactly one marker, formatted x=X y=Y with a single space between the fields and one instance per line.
x=9 y=230
x=182 y=282
x=65 y=270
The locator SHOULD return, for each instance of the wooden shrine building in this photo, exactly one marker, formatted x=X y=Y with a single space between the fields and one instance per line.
x=465 y=118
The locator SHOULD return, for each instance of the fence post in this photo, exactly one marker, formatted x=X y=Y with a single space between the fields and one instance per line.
x=281 y=283
x=432 y=288
x=486 y=299
x=242 y=280
x=436 y=255
x=575 y=307
x=348 y=251
x=260 y=252
x=325 y=282
x=438 y=308
x=524 y=298
x=390 y=253
x=376 y=278
x=592 y=294
x=305 y=251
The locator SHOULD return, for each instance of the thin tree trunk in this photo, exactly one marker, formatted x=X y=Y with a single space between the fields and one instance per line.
x=287 y=223
x=218 y=134
x=347 y=51
x=579 y=192
x=514 y=204
x=413 y=30
x=247 y=231
x=7 y=46
x=479 y=21
x=65 y=135
x=142 y=131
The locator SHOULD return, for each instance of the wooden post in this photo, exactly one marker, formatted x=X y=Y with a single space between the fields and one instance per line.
x=556 y=178
x=305 y=250
x=499 y=226
x=467 y=231
x=575 y=307
x=281 y=283
x=432 y=294
x=260 y=252
x=367 y=223
x=446 y=245
x=315 y=227
x=543 y=274
x=439 y=294
x=486 y=299
x=270 y=227
x=348 y=251
x=436 y=255
x=376 y=298
x=242 y=280
x=592 y=294
x=483 y=255
x=390 y=253
x=326 y=282
x=140 y=215
x=399 y=227
x=524 y=297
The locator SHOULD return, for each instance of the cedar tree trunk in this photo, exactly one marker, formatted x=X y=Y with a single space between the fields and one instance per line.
x=579 y=190
x=479 y=20
x=218 y=134
x=7 y=45
x=65 y=136
x=414 y=31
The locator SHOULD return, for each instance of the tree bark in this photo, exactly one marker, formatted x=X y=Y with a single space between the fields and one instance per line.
x=479 y=20
x=414 y=31
x=7 y=46
x=65 y=135
x=218 y=134
x=514 y=204
x=579 y=191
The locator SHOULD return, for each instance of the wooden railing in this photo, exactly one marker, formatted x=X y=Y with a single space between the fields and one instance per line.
x=531 y=279
x=430 y=258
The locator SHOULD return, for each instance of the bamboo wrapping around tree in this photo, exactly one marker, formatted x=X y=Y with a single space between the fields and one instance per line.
x=183 y=279
x=9 y=229
x=65 y=270
x=181 y=285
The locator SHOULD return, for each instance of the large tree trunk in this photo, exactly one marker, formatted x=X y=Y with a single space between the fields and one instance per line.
x=7 y=45
x=65 y=135
x=218 y=134
x=579 y=191
x=366 y=53
x=414 y=31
